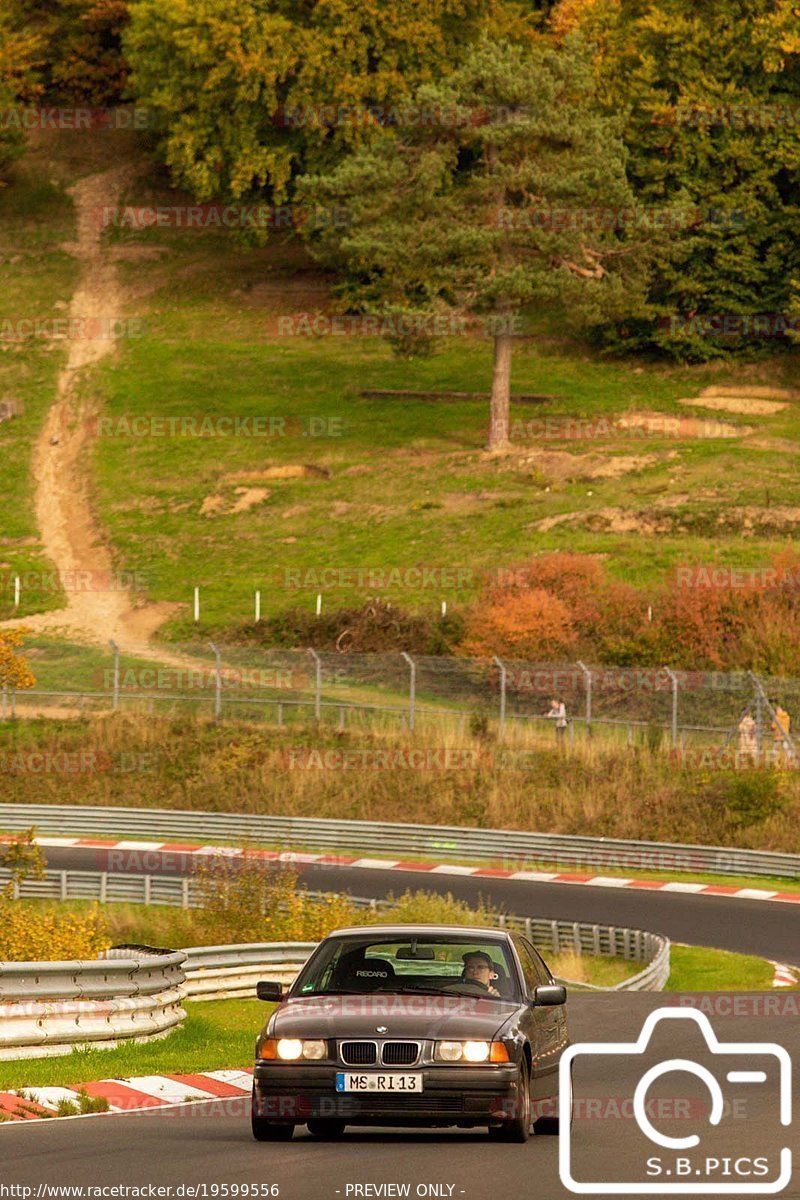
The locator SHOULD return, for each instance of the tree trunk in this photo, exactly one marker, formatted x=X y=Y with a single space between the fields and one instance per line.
x=501 y=392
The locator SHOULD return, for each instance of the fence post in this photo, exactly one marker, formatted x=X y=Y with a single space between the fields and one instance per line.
x=317 y=683
x=501 y=732
x=759 y=727
x=258 y=607
x=16 y=591
x=674 y=681
x=412 y=689
x=217 y=681
x=587 y=679
x=115 y=652
x=185 y=892
x=196 y=604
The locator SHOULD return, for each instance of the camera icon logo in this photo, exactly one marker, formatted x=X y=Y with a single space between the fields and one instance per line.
x=683 y=1166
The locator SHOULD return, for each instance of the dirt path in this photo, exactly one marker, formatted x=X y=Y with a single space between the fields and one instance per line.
x=69 y=533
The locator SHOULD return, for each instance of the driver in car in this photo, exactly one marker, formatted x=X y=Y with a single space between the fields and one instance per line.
x=479 y=969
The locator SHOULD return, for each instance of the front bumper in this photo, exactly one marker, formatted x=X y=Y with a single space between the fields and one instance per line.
x=455 y=1095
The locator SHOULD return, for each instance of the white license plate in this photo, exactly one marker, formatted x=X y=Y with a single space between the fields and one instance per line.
x=350 y=1081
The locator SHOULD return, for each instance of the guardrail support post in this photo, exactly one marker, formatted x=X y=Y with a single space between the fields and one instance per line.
x=412 y=689
x=501 y=729
x=587 y=679
x=115 y=652
x=217 y=681
x=317 y=683
x=185 y=892
x=673 y=678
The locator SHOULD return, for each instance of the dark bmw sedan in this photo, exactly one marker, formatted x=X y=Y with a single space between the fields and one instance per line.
x=404 y=1025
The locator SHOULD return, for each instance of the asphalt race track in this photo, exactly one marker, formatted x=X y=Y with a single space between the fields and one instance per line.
x=208 y=1145
x=747 y=926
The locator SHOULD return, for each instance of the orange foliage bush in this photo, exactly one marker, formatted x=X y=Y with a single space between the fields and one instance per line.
x=720 y=619
x=520 y=623
x=553 y=605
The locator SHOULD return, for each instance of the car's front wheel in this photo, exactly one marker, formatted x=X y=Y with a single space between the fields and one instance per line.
x=265 y=1130
x=518 y=1129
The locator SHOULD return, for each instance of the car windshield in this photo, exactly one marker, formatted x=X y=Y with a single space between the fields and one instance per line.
x=452 y=965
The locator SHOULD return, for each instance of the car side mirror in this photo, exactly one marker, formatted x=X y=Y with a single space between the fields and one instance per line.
x=549 y=994
x=269 y=989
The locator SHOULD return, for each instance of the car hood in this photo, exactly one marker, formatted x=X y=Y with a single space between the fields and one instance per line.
x=399 y=1016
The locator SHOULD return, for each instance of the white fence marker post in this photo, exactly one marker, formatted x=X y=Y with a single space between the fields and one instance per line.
x=319 y=604
x=444 y=608
x=258 y=607
x=197 y=604
x=16 y=591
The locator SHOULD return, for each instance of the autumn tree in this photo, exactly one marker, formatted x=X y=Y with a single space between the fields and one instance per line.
x=248 y=94
x=14 y=670
x=20 y=48
x=710 y=95
x=497 y=207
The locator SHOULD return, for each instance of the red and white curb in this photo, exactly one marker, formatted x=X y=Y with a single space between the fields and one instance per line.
x=134 y=852
x=785 y=976
x=125 y=1095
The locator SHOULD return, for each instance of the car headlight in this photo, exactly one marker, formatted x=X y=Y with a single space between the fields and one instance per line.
x=471 y=1052
x=292 y=1049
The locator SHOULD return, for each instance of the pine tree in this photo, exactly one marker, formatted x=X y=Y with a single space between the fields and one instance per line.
x=503 y=200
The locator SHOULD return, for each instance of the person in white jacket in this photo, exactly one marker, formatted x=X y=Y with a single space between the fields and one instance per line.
x=558 y=713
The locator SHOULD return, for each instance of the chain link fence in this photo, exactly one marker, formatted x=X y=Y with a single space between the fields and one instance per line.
x=743 y=715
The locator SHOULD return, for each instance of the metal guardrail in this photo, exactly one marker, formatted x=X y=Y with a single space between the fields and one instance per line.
x=226 y=971
x=217 y=972
x=222 y=972
x=517 y=848
x=48 y=1008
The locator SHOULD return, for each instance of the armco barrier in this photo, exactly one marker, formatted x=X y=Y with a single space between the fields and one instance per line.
x=133 y=993
x=394 y=838
x=216 y=972
x=635 y=945
x=221 y=972
x=48 y=1008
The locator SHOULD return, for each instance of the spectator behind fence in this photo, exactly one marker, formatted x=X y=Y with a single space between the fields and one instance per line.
x=781 y=728
x=748 y=737
x=558 y=713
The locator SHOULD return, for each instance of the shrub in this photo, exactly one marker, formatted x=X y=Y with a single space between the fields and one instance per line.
x=30 y=934
x=553 y=606
x=373 y=628
x=14 y=670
